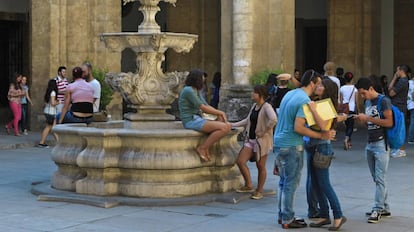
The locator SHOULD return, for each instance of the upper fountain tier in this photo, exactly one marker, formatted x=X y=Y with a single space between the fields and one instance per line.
x=149 y=37
x=154 y=42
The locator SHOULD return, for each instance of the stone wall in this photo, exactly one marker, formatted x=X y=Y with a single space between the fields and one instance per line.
x=354 y=35
x=66 y=32
x=403 y=34
x=200 y=17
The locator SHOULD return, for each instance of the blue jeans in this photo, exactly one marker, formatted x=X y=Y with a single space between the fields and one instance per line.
x=23 y=120
x=320 y=183
x=378 y=158
x=349 y=123
x=69 y=117
x=411 y=129
x=311 y=197
x=290 y=163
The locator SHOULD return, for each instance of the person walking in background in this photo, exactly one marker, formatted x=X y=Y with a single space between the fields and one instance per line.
x=215 y=90
x=15 y=95
x=281 y=90
x=87 y=75
x=62 y=83
x=384 y=83
x=349 y=95
x=259 y=125
x=25 y=99
x=79 y=100
x=50 y=112
x=288 y=146
x=398 y=92
x=318 y=177
x=410 y=108
x=340 y=75
x=190 y=104
x=295 y=81
x=330 y=71
x=375 y=151
x=204 y=90
x=271 y=86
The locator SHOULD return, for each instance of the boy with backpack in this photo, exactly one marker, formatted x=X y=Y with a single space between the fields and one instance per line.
x=376 y=150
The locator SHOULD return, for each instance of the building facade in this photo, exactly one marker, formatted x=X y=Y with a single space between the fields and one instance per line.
x=236 y=37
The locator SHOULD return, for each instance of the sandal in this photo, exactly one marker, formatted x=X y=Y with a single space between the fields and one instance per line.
x=346 y=144
x=203 y=156
x=7 y=130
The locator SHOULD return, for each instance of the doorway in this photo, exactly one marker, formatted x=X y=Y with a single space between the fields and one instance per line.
x=311 y=34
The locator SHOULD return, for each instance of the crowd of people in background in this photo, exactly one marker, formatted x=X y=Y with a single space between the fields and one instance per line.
x=278 y=113
x=64 y=102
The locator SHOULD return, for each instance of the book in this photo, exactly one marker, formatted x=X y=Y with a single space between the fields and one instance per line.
x=324 y=108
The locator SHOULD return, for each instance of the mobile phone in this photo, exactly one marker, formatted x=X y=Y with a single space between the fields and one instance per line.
x=351 y=115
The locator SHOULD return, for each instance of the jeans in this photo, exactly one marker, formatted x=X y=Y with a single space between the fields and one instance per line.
x=23 y=121
x=378 y=158
x=349 y=123
x=69 y=117
x=311 y=197
x=320 y=183
x=290 y=163
x=411 y=129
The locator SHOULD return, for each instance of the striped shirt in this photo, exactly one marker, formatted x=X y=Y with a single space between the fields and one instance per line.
x=61 y=84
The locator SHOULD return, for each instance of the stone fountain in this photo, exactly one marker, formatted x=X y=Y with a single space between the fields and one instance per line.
x=148 y=154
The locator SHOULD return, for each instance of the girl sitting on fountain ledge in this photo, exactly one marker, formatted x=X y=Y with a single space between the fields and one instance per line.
x=190 y=104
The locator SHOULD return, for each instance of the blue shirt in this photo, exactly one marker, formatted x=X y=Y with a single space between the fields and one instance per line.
x=24 y=99
x=290 y=109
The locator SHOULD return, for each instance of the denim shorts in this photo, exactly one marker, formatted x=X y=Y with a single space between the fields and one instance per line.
x=196 y=124
x=50 y=119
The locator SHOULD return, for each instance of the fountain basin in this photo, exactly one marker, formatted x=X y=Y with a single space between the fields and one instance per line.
x=145 y=42
x=156 y=161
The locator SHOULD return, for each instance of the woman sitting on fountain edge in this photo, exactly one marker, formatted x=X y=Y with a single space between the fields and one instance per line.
x=191 y=103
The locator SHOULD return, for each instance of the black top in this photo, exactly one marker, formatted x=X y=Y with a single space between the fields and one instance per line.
x=279 y=94
x=401 y=90
x=82 y=107
x=254 y=115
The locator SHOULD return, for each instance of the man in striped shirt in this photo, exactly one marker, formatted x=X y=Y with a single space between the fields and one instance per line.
x=62 y=83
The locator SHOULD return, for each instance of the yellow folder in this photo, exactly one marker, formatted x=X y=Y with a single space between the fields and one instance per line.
x=324 y=108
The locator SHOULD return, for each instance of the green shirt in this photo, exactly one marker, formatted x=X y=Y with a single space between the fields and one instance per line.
x=189 y=103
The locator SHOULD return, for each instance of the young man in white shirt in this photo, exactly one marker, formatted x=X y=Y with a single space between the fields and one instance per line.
x=87 y=75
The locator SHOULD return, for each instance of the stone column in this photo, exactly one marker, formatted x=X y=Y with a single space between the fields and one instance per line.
x=262 y=38
x=387 y=38
x=236 y=58
x=242 y=41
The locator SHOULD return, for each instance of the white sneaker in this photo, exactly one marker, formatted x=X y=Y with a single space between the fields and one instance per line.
x=394 y=152
x=399 y=153
x=25 y=132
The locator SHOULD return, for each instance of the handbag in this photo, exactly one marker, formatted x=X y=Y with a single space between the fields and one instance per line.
x=321 y=161
x=344 y=107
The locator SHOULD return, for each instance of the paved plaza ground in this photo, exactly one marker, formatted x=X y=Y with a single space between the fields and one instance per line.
x=21 y=211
